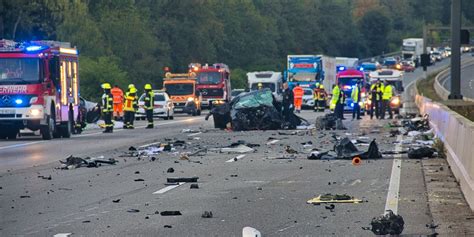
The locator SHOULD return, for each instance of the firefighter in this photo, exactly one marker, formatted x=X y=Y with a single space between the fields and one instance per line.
x=320 y=98
x=130 y=107
x=287 y=102
x=375 y=99
x=107 y=108
x=338 y=99
x=259 y=86
x=118 y=102
x=355 y=95
x=298 y=97
x=386 y=97
x=149 y=104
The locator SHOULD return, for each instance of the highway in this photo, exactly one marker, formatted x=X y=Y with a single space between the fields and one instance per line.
x=467 y=80
x=262 y=189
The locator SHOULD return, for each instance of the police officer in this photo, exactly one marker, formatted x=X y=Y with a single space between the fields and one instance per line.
x=287 y=102
x=149 y=104
x=107 y=108
x=130 y=107
x=338 y=99
x=355 y=95
x=386 y=97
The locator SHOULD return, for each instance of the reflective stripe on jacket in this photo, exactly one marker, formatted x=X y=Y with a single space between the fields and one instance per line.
x=336 y=95
x=149 y=100
x=298 y=92
x=117 y=95
x=130 y=103
x=355 y=95
x=107 y=103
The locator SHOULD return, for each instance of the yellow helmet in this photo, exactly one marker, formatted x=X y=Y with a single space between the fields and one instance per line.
x=321 y=86
x=106 y=86
x=147 y=87
x=260 y=85
x=133 y=90
x=130 y=86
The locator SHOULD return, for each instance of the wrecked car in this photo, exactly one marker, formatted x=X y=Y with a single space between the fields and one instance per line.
x=256 y=110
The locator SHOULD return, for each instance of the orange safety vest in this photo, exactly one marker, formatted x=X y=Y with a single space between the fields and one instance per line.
x=298 y=92
x=117 y=94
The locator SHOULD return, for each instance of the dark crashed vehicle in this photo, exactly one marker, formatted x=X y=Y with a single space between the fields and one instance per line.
x=256 y=110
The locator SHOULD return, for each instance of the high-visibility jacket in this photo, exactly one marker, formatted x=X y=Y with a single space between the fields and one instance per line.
x=387 y=92
x=130 y=102
x=149 y=100
x=337 y=96
x=117 y=95
x=375 y=90
x=107 y=103
x=298 y=92
x=355 y=95
x=320 y=94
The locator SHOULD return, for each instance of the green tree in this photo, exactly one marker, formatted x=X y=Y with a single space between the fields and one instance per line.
x=375 y=27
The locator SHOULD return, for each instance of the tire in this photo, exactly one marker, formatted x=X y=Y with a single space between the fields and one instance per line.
x=66 y=130
x=48 y=129
x=12 y=133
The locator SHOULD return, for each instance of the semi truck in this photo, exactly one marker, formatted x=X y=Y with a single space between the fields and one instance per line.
x=268 y=79
x=213 y=81
x=39 y=88
x=412 y=49
x=307 y=70
x=182 y=89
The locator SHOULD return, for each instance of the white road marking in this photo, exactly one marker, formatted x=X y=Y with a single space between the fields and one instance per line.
x=194 y=134
x=272 y=142
x=168 y=188
x=236 y=158
x=62 y=235
x=149 y=144
x=91 y=134
x=394 y=188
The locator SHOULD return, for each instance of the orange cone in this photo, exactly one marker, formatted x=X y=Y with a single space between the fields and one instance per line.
x=356 y=161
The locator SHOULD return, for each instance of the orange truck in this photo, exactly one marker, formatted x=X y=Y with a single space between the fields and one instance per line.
x=181 y=87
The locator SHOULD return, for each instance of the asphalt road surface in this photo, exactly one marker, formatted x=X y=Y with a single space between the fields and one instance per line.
x=266 y=189
x=467 y=81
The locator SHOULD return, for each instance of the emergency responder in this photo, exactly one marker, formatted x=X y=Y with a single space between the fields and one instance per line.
x=130 y=108
x=338 y=99
x=287 y=102
x=117 y=93
x=386 y=97
x=259 y=86
x=375 y=99
x=298 y=97
x=355 y=95
x=149 y=104
x=319 y=98
x=107 y=108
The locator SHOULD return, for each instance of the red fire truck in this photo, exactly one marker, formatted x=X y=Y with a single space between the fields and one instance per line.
x=39 y=88
x=213 y=81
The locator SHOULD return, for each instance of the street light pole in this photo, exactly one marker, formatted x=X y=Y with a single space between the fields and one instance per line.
x=455 y=50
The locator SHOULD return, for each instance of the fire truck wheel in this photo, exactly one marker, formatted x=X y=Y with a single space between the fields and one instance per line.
x=65 y=129
x=47 y=130
x=11 y=133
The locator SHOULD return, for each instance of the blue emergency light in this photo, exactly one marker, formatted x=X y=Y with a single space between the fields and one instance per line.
x=341 y=68
x=361 y=69
x=19 y=101
x=33 y=48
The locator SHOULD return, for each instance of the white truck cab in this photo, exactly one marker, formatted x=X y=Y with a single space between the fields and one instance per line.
x=269 y=79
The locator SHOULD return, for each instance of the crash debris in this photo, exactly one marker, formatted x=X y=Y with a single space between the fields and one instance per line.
x=388 y=224
x=77 y=162
x=333 y=198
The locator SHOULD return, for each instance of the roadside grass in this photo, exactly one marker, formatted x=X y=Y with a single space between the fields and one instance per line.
x=465 y=110
x=426 y=87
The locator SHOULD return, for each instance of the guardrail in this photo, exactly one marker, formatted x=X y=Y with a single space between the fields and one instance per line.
x=442 y=92
x=457 y=134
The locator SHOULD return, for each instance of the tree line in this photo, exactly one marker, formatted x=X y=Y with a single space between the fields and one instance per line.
x=130 y=41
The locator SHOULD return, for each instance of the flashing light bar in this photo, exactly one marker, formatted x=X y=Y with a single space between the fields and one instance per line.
x=341 y=68
x=68 y=51
x=19 y=101
x=33 y=48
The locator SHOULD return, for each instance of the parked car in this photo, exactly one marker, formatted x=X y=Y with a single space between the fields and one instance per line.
x=308 y=98
x=236 y=92
x=163 y=106
x=407 y=66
